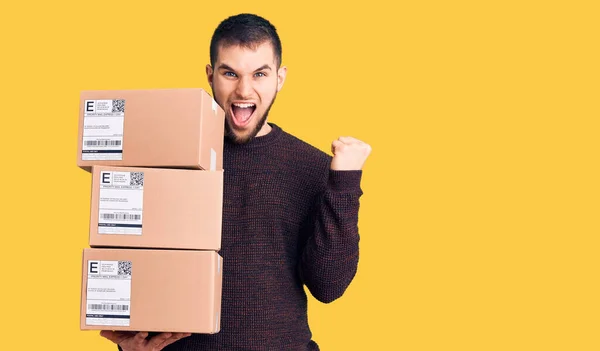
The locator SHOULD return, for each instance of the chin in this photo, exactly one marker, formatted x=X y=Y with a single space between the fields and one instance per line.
x=240 y=137
x=243 y=137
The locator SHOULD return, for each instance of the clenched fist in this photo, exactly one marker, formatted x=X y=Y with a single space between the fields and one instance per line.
x=349 y=154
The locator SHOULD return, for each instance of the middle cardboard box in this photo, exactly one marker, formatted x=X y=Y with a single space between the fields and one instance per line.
x=162 y=208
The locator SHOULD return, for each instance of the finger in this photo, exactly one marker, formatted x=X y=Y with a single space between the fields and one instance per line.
x=169 y=341
x=357 y=144
x=180 y=335
x=109 y=335
x=364 y=146
x=336 y=145
x=139 y=339
x=156 y=341
x=174 y=338
x=115 y=336
x=349 y=140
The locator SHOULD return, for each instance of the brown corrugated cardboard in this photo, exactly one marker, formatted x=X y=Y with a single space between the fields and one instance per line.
x=151 y=290
x=140 y=207
x=173 y=128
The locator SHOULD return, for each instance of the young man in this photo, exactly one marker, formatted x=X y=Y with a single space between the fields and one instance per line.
x=290 y=212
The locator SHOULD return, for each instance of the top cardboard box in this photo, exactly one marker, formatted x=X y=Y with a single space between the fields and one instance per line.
x=163 y=128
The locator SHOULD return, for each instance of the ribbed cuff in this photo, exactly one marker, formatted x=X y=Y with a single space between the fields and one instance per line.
x=345 y=180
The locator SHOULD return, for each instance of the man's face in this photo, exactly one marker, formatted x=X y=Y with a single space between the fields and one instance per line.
x=245 y=83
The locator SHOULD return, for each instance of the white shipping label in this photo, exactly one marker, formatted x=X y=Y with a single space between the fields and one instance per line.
x=108 y=298
x=103 y=129
x=121 y=202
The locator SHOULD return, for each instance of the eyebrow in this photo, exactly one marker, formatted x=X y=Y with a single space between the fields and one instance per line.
x=262 y=67
x=224 y=66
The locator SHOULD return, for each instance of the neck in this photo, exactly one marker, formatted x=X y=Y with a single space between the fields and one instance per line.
x=266 y=128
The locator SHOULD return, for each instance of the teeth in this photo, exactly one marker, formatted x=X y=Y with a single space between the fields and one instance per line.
x=244 y=105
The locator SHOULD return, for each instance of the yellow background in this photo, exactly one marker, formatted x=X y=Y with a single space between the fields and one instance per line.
x=479 y=221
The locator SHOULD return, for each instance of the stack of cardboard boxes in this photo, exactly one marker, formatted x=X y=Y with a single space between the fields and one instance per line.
x=155 y=157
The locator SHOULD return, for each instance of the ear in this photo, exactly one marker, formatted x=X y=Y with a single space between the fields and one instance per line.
x=281 y=73
x=209 y=74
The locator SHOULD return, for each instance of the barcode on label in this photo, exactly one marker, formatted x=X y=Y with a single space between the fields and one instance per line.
x=118 y=105
x=121 y=216
x=100 y=307
x=102 y=143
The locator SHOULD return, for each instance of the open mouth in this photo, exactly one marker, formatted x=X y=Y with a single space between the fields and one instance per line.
x=242 y=113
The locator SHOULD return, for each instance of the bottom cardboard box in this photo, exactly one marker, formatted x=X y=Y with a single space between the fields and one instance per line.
x=151 y=290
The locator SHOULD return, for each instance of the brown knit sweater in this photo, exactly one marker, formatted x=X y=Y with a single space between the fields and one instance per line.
x=288 y=220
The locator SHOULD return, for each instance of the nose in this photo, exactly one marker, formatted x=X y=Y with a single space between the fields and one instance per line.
x=244 y=88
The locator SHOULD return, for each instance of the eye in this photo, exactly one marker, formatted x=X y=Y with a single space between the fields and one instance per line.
x=260 y=74
x=230 y=74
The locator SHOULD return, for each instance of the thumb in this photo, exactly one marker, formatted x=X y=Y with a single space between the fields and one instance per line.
x=335 y=145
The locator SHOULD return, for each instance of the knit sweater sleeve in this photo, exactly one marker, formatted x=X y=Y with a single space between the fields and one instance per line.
x=329 y=259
